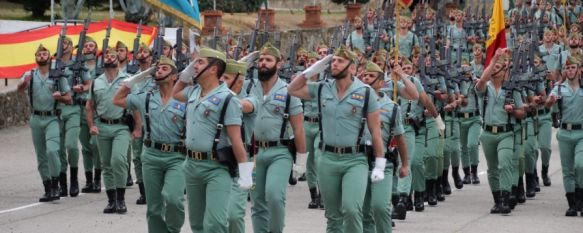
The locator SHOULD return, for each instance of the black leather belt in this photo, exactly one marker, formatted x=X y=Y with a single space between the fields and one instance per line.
x=568 y=126
x=44 y=113
x=110 y=122
x=410 y=121
x=312 y=119
x=267 y=144
x=163 y=146
x=497 y=129
x=543 y=111
x=200 y=155
x=467 y=115
x=80 y=102
x=450 y=114
x=344 y=150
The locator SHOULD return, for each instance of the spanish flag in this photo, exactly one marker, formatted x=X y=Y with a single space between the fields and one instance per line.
x=182 y=10
x=496 y=32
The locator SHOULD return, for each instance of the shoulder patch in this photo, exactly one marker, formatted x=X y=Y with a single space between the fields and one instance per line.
x=214 y=99
x=356 y=96
x=279 y=97
x=179 y=106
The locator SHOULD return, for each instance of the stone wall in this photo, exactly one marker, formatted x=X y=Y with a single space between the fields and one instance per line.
x=15 y=109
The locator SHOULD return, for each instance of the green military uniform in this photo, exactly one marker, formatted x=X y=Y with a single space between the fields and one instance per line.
x=342 y=168
x=458 y=40
x=91 y=159
x=356 y=41
x=376 y=212
x=208 y=183
x=238 y=198
x=114 y=136
x=45 y=127
x=162 y=159
x=550 y=56
x=312 y=130
x=470 y=129
x=451 y=146
x=273 y=163
x=544 y=132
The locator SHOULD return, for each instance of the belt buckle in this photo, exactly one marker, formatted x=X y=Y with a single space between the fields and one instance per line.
x=166 y=148
x=466 y=115
x=569 y=126
x=196 y=155
x=339 y=150
x=494 y=129
x=263 y=144
x=110 y=122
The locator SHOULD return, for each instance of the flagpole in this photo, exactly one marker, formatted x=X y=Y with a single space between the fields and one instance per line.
x=397 y=27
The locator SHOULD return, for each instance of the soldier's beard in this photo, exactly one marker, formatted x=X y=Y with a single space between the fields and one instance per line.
x=42 y=63
x=342 y=74
x=573 y=46
x=110 y=64
x=265 y=74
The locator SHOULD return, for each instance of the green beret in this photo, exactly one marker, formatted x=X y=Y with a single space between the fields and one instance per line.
x=343 y=52
x=572 y=60
x=167 y=44
x=68 y=39
x=145 y=47
x=89 y=39
x=211 y=53
x=302 y=51
x=41 y=47
x=111 y=50
x=406 y=61
x=268 y=49
x=120 y=44
x=574 y=36
x=166 y=61
x=235 y=67
x=356 y=51
x=372 y=67
x=313 y=54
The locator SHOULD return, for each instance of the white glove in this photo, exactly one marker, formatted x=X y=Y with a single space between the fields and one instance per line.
x=440 y=124
x=250 y=58
x=299 y=167
x=317 y=67
x=187 y=74
x=378 y=172
x=138 y=78
x=245 y=175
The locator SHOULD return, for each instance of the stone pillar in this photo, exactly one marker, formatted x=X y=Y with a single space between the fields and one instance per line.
x=269 y=16
x=352 y=10
x=212 y=19
x=312 y=18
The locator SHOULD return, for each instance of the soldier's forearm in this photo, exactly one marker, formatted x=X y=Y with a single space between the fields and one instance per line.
x=297 y=123
x=402 y=147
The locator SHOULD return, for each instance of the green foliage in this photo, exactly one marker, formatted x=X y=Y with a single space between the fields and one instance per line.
x=37 y=8
x=232 y=6
x=344 y=2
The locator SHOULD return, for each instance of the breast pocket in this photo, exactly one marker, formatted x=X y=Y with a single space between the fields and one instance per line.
x=355 y=107
x=208 y=110
x=275 y=107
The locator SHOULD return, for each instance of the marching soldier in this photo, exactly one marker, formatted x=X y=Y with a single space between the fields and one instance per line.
x=91 y=159
x=112 y=130
x=550 y=51
x=275 y=142
x=122 y=52
x=544 y=120
x=477 y=63
x=167 y=49
x=407 y=39
x=234 y=78
x=44 y=94
x=345 y=105
x=376 y=213
x=162 y=160
x=214 y=147
x=500 y=111
x=355 y=39
x=565 y=99
x=451 y=148
x=457 y=37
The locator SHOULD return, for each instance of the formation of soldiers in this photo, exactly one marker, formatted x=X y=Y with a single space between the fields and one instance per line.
x=374 y=120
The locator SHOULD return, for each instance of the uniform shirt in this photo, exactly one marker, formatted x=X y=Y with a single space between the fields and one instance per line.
x=249 y=118
x=203 y=114
x=311 y=106
x=551 y=56
x=572 y=113
x=495 y=113
x=386 y=112
x=103 y=92
x=566 y=54
x=477 y=69
x=457 y=37
x=431 y=84
x=341 y=117
x=407 y=105
x=406 y=44
x=42 y=90
x=356 y=41
x=467 y=90
x=166 y=120
x=87 y=75
x=271 y=110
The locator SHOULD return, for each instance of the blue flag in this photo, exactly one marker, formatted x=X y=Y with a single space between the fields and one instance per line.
x=180 y=9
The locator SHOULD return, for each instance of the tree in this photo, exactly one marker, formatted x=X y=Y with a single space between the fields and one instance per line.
x=345 y=2
x=232 y=6
x=70 y=9
x=135 y=10
x=37 y=8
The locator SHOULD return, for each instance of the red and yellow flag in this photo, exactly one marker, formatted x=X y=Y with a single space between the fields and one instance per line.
x=18 y=48
x=496 y=32
x=405 y=3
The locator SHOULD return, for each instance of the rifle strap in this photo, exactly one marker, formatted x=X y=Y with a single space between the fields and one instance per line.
x=30 y=89
x=320 y=85
x=364 y=113
x=285 y=118
x=484 y=107
x=220 y=124
x=392 y=122
x=560 y=103
x=93 y=97
x=147 y=116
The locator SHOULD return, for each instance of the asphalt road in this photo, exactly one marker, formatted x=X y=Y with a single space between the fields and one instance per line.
x=466 y=210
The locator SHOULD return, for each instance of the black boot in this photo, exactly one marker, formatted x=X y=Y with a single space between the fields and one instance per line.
x=504 y=208
x=88 y=183
x=410 y=203
x=457 y=180
x=579 y=200
x=512 y=197
x=545 y=175
x=63 y=184
x=572 y=211
x=430 y=188
x=320 y=200
x=535 y=180
x=142 y=199
x=496 y=208
x=111 y=203
x=120 y=201
x=520 y=193
x=314 y=203
x=130 y=180
x=291 y=180
x=467 y=178
x=475 y=179
x=418 y=202
x=74 y=189
x=445 y=182
x=97 y=181
x=46 y=197
x=303 y=177
x=400 y=209
x=55 y=194
x=530 y=185
x=439 y=189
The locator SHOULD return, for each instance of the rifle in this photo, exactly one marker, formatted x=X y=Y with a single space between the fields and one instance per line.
x=159 y=43
x=101 y=69
x=345 y=31
x=215 y=38
x=265 y=35
x=181 y=58
x=288 y=69
x=254 y=36
x=77 y=66
x=227 y=42
x=365 y=33
x=238 y=48
x=58 y=69
x=133 y=67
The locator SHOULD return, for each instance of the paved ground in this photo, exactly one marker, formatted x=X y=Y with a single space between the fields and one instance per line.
x=465 y=210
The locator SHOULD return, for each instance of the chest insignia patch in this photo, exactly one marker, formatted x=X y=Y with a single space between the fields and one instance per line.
x=356 y=96
x=214 y=99
x=279 y=97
